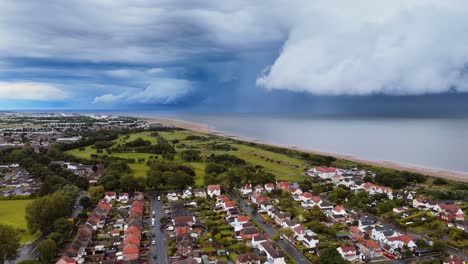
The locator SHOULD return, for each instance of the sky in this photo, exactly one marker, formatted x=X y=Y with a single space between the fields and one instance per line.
x=392 y=57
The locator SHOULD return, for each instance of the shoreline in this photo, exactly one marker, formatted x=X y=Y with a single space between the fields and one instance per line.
x=203 y=128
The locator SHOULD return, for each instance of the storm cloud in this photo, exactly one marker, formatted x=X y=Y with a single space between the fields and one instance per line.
x=171 y=51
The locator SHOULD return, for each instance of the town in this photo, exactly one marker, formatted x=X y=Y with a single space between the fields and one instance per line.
x=124 y=190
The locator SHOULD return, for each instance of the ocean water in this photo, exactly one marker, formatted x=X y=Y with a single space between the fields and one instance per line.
x=437 y=143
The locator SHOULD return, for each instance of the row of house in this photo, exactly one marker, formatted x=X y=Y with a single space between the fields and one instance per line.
x=75 y=252
x=447 y=212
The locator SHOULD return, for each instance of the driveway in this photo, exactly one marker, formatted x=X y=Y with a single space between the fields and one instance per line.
x=160 y=249
x=295 y=254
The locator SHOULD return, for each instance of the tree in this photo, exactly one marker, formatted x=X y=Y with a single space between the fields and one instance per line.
x=190 y=155
x=47 y=250
x=163 y=220
x=317 y=214
x=45 y=210
x=85 y=201
x=331 y=256
x=63 y=225
x=96 y=193
x=9 y=243
x=439 y=246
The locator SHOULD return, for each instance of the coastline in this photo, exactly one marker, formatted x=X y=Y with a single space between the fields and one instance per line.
x=203 y=128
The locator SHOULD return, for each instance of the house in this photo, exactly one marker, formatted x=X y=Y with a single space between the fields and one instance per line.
x=214 y=190
x=184 y=245
x=66 y=260
x=398 y=242
x=246 y=189
x=381 y=233
x=310 y=239
x=283 y=185
x=305 y=197
x=259 y=188
x=356 y=233
x=186 y=194
x=248 y=258
x=339 y=214
x=299 y=232
x=450 y=212
x=199 y=193
x=239 y=221
x=274 y=254
x=228 y=205
x=348 y=252
x=257 y=240
x=110 y=196
x=258 y=199
x=370 y=249
x=123 y=198
x=269 y=187
x=247 y=233
x=130 y=252
x=323 y=172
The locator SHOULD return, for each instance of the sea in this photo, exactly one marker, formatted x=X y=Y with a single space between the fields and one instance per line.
x=435 y=143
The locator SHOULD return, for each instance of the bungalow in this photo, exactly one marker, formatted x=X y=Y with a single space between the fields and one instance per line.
x=248 y=258
x=274 y=254
x=110 y=196
x=310 y=239
x=246 y=189
x=339 y=214
x=305 y=197
x=348 y=252
x=269 y=187
x=214 y=190
x=248 y=233
x=370 y=249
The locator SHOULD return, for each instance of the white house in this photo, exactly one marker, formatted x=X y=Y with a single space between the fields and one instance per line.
x=348 y=252
x=400 y=241
x=310 y=239
x=110 y=196
x=269 y=187
x=323 y=172
x=258 y=239
x=246 y=189
x=214 y=190
x=123 y=197
x=274 y=254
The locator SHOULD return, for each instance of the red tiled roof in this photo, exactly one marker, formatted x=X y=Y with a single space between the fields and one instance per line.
x=242 y=219
x=370 y=244
x=214 y=187
x=131 y=249
x=325 y=169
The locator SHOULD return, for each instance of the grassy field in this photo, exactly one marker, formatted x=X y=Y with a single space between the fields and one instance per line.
x=12 y=213
x=283 y=166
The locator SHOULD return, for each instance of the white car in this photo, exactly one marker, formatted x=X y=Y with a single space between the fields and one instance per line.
x=154 y=242
x=159 y=198
x=154 y=213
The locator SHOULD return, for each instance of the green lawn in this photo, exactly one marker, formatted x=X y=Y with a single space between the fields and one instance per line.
x=283 y=166
x=12 y=213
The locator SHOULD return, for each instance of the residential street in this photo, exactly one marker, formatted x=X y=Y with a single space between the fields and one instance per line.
x=160 y=249
x=295 y=254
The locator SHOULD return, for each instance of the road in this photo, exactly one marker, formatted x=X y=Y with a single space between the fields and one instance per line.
x=295 y=254
x=30 y=250
x=160 y=249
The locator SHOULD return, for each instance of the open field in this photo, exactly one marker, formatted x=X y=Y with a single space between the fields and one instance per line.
x=283 y=166
x=12 y=213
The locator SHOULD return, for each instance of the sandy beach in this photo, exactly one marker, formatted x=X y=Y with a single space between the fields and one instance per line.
x=203 y=128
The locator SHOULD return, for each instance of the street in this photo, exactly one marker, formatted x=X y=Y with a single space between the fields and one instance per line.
x=160 y=249
x=295 y=254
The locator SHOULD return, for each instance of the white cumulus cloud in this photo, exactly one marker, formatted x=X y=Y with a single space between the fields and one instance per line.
x=161 y=91
x=30 y=91
x=368 y=47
